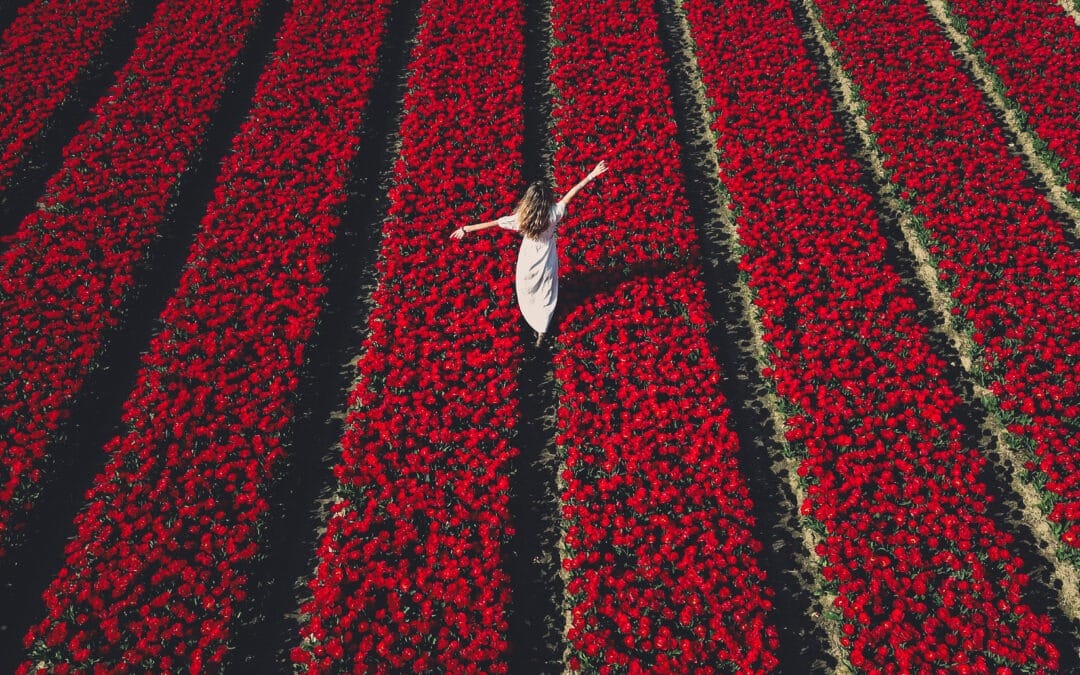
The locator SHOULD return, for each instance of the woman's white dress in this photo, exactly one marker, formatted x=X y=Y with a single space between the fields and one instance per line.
x=537 y=278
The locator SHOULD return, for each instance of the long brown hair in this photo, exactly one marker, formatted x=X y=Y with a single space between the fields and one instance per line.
x=534 y=209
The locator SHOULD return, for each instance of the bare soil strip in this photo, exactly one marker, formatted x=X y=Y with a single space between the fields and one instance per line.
x=1042 y=163
x=1006 y=459
x=537 y=626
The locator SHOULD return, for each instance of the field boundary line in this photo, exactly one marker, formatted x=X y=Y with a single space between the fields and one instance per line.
x=1042 y=161
x=784 y=464
x=1011 y=461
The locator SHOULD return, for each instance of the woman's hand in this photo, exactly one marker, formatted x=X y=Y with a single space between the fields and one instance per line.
x=458 y=233
x=600 y=168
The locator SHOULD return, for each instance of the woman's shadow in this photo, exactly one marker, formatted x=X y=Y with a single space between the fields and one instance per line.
x=578 y=286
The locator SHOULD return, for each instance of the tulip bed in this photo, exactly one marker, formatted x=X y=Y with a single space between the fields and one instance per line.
x=41 y=54
x=1000 y=254
x=923 y=578
x=410 y=571
x=662 y=561
x=72 y=262
x=652 y=223
x=661 y=565
x=158 y=569
x=1033 y=48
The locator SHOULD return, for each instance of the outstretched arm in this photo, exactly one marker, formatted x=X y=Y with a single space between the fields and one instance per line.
x=600 y=168
x=460 y=232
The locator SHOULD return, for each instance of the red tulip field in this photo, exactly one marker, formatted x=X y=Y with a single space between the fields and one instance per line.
x=809 y=402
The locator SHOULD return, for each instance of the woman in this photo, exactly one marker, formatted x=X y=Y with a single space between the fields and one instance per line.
x=535 y=218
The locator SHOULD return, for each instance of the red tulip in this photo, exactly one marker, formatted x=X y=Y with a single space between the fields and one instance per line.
x=883 y=470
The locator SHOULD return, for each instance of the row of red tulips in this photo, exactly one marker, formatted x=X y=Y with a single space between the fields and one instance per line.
x=42 y=53
x=72 y=262
x=661 y=566
x=157 y=574
x=997 y=248
x=923 y=578
x=410 y=574
x=661 y=562
x=1033 y=48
